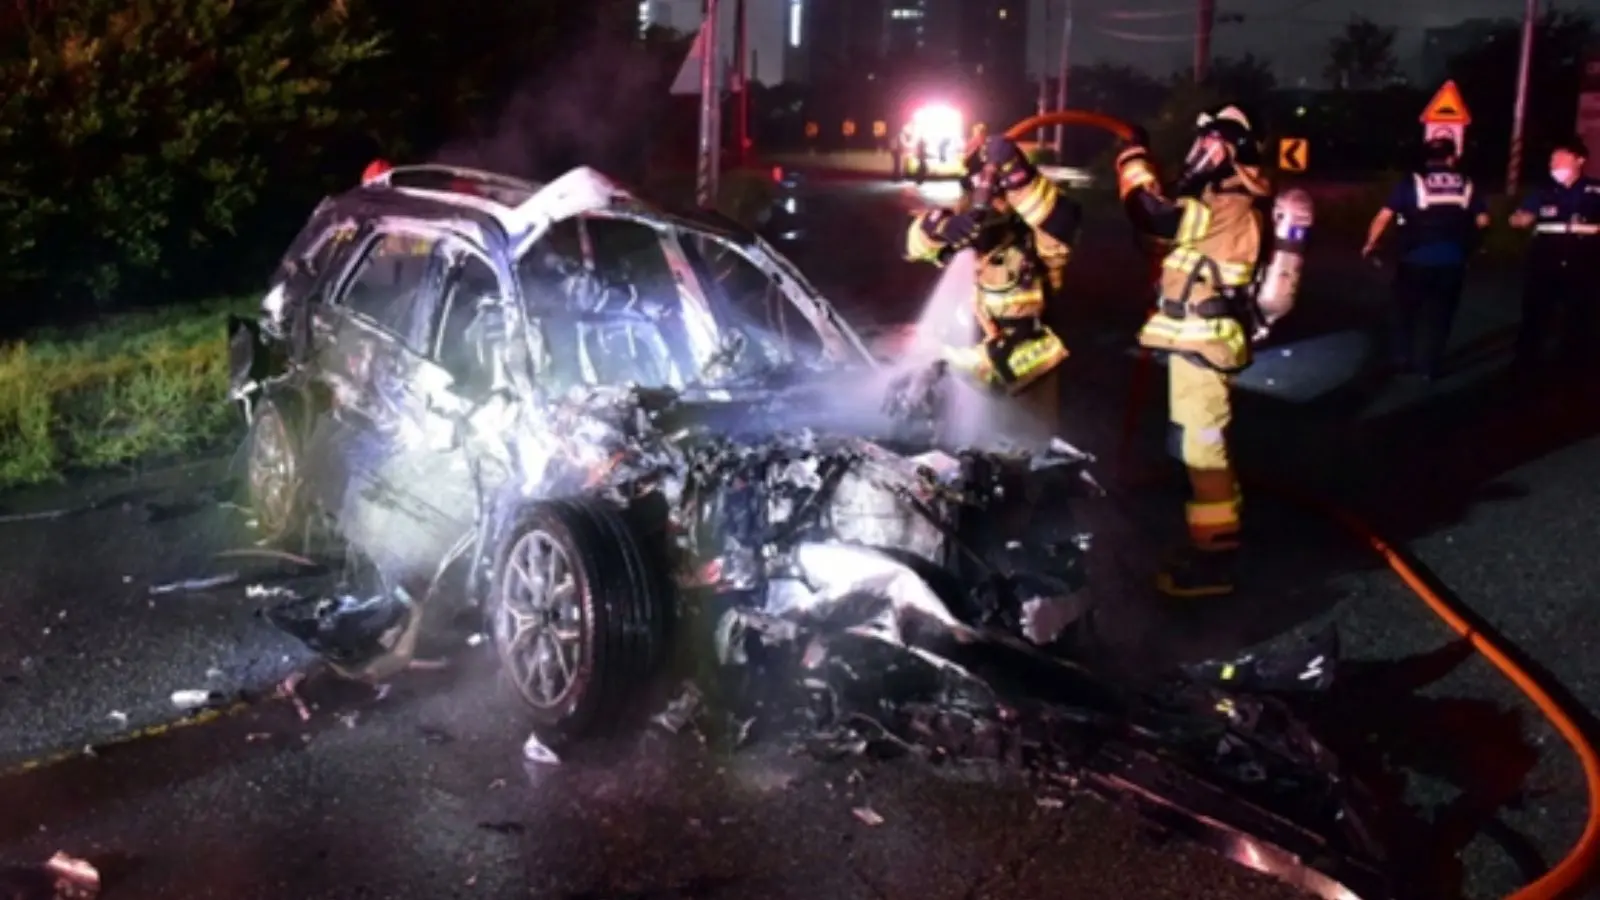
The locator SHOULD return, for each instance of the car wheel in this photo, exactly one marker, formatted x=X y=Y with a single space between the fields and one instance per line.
x=273 y=473
x=578 y=614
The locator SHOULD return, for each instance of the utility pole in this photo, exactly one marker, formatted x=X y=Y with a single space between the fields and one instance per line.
x=710 y=110
x=743 y=25
x=1061 y=80
x=1207 y=17
x=1530 y=13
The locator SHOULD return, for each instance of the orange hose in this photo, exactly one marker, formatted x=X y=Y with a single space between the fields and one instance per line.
x=1071 y=117
x=1573 y=872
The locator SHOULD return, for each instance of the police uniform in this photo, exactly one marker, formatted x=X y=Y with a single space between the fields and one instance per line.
x=1023 y=245
x=1563 y=263
x=1203 y=321
x=1437 y=211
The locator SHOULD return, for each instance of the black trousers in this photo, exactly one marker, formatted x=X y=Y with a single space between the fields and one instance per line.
x=1560 y=299
x=1425 y=302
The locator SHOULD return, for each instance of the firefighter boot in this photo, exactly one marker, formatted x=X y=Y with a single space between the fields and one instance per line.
x=1205 y=567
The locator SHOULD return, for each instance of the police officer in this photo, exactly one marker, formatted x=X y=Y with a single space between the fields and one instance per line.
x=1440 y=215
x=1563 y=257
x=1022 y=228
x=1203 y=322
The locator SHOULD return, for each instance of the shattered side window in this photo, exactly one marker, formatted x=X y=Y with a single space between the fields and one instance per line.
x=544 y=269
x=393 y=288
x=464 y=343
x=756 y=305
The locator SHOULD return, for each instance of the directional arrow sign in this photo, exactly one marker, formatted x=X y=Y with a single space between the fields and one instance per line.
x=1447 y=107
x=1293 y=154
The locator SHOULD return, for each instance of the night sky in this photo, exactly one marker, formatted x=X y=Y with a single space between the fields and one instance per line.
x=1292 y=33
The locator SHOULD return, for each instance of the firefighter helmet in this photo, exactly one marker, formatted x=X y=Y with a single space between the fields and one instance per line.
x=1226 y=147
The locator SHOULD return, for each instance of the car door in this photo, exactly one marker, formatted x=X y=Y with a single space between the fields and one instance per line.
x=458 y=379
x=375 y=454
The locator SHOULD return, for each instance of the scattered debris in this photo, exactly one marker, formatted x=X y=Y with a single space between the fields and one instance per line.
x=475 y=639
x=75 y=879
x=194 y=585
x=1050 y=802
x=867 y=815
x=506 y=827
x=195 y=699
x=289 y=689
x=119 y=718
x=268 y=592
x=682 y=710
x=535 y=751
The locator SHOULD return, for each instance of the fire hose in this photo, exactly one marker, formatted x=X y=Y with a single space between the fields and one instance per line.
x=1572 y=873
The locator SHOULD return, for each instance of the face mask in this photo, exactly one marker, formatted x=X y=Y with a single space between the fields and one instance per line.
x=1563 y=175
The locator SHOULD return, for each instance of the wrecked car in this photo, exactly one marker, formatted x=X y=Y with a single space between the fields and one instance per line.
x=612 y=431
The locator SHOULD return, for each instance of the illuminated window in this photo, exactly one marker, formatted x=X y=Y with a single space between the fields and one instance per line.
x=796 y=15
x=902 y=13
x=1005 y=13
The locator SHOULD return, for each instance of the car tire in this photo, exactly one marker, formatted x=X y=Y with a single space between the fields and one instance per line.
x=578 y=648
x=273 y=473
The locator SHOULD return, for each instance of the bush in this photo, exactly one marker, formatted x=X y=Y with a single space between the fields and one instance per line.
x=141 y=385
x=134 y=133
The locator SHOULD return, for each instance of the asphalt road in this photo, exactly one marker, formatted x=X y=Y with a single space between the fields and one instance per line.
x=423 y=792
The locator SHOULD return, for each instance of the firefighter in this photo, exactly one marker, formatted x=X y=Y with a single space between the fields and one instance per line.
x=1203 y=321
x=1563 y=259
x=1441 y=216
x=1022 y=229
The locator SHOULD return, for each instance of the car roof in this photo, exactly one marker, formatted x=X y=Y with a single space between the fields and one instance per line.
x=516 y=208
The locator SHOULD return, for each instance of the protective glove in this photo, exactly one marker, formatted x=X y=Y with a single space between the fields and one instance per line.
x=1011 y=166
x=1134 y=166
x=953 y=229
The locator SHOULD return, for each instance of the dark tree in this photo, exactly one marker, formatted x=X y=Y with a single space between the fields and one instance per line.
x=1362 y=56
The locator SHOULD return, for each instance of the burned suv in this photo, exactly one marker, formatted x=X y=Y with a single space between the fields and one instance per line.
x=577 y=412
x=609 y=431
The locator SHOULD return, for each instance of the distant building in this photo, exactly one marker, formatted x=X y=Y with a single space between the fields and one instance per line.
x=890 y=53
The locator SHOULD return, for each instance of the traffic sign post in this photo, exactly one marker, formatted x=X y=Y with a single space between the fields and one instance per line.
x=1294 y=154
x=1447 y=116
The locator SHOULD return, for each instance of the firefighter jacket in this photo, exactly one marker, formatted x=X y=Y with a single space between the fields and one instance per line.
x=1214 y=246
x=1017 y=348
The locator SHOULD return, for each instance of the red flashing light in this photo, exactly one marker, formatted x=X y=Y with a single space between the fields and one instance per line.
x=375 y=170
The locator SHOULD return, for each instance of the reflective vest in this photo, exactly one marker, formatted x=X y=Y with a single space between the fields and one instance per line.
x=1206 y=277
x=1017 y=348
x=1441 y=216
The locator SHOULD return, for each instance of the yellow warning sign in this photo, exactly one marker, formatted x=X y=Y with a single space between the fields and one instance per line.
x=1294 y=154
x=1447 y=107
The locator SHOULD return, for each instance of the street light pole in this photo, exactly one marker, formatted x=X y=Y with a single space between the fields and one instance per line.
x=1519 y=112
x=1061 y=80
x=710 y=110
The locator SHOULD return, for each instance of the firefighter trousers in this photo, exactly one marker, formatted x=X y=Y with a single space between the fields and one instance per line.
x=1425 y=303
x=1201 y=409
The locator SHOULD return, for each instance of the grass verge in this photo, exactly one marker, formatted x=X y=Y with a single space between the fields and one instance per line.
x=130 y=387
